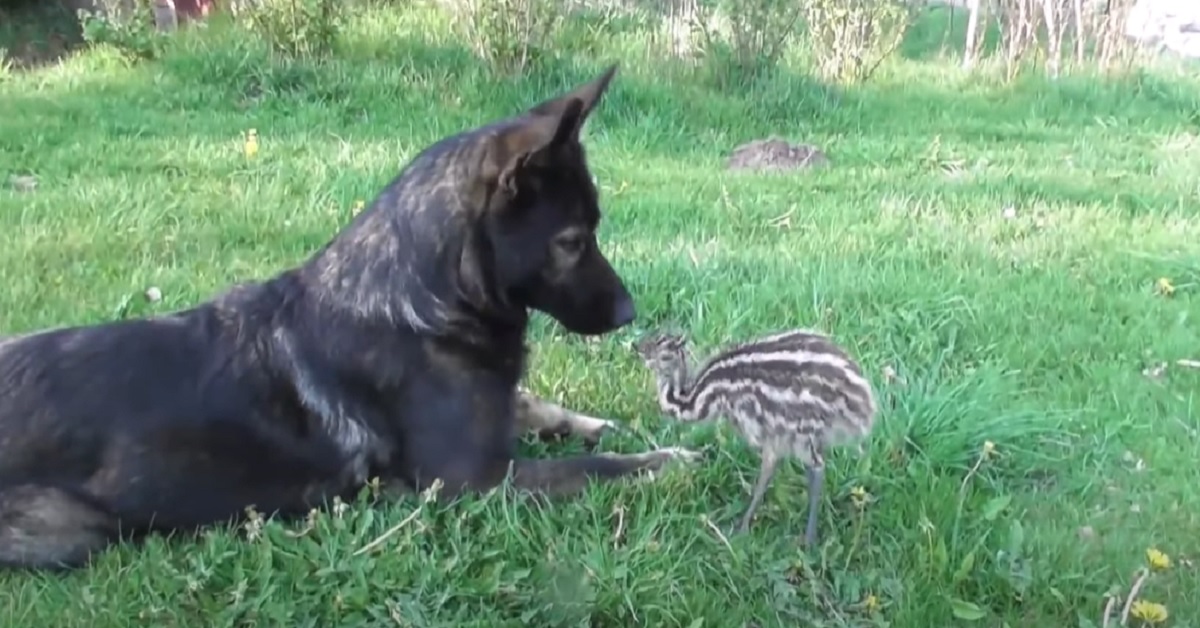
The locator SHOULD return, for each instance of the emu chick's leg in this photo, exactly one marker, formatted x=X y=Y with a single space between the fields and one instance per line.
x=814 y=466
x=546 y=419
x=766 y=471
x=816 y=480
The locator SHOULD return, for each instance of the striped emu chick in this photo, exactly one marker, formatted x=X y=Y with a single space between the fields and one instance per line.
x=791 y=394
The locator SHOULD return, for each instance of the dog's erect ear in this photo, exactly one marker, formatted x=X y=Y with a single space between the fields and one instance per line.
x=531 y=138
x=588 y=94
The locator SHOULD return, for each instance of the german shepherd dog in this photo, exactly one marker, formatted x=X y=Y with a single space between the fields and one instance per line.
x=394 y=352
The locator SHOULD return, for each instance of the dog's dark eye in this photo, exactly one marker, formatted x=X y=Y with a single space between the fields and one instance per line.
x=571 y=245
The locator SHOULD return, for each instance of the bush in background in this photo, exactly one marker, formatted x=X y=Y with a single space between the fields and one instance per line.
x=126 y=25
x=510 y=35
x=742 y=39
x=731 y=43
x=850 y=38
x=296 y=28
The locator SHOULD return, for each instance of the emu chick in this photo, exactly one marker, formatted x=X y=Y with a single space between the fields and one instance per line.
x=791 y=394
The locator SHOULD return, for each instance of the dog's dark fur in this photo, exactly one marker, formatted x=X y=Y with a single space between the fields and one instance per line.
x=395 y=351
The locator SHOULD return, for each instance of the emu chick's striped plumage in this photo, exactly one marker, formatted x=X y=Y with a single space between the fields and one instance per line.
x=790 y=394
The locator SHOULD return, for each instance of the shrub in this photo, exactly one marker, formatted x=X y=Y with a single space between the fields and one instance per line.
x=296 y=28
x=744 y=38
x=510 y=35
x=850 y=38
x=126 y=25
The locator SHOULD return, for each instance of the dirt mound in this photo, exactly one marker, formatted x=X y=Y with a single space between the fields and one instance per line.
x=774 y=154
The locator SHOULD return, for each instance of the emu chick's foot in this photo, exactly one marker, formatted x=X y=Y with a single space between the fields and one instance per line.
x=766 y=472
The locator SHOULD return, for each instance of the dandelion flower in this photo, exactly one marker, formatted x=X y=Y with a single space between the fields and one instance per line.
x=251 y=143
x=871 y=603
x=859 y=496
x=1157 y=559
x=1149 y=612
x=989 y=448
x=1165 y=286
x=358 y=205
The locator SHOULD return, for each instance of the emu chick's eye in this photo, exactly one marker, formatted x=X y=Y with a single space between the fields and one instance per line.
x=571 y=244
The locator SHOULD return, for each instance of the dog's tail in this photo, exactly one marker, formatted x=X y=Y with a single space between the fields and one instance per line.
x=49 y=527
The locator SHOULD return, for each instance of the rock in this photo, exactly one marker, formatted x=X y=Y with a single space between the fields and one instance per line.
x=1168 y=24
x=23 y=182
x=775 y=154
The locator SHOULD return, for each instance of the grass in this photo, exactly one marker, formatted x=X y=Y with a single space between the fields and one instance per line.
x=1029 y=329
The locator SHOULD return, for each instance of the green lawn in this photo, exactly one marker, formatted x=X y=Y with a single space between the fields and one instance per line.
x=1028 y=328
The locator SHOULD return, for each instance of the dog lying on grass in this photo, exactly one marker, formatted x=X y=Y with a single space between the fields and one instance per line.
x=395 y=352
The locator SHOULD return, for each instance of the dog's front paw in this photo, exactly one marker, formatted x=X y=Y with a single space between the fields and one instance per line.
x=681 y=454
x=590 y=429
x=657 y=461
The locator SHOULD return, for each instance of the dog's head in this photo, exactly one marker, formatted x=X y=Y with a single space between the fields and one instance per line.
x=537 y=211
x=482 y=227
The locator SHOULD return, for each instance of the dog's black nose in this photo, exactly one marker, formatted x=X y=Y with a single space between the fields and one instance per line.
x=624 y=312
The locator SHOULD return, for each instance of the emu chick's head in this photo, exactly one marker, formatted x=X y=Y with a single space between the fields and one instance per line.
x=663 y=353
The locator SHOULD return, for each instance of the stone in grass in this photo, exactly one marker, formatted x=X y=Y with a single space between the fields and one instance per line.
x=775 y=155
x=23 y=182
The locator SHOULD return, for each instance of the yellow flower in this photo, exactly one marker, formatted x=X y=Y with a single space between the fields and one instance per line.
x=859 y=496
x=251 y=143
x=358 y=205
x=1150 y=612
x=871 y=603
x=1165 y=287
x=989 y=448
x=1157 y=559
